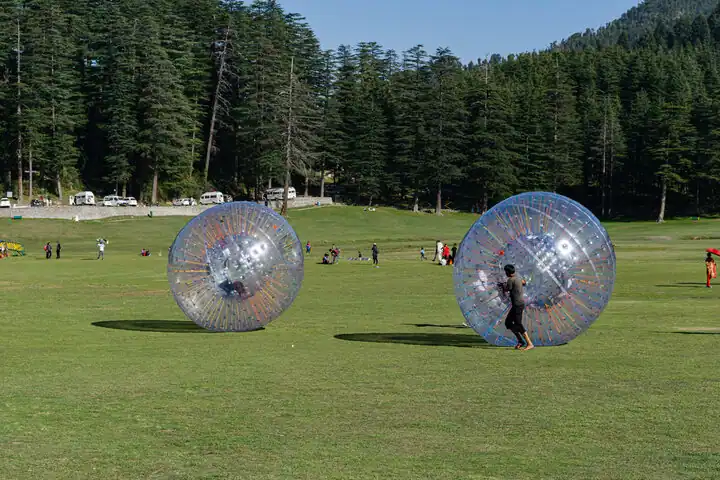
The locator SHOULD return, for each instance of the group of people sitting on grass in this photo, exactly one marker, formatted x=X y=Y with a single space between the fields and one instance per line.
x=331 y=256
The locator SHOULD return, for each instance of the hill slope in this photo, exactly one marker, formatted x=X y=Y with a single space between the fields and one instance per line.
x=638 y=21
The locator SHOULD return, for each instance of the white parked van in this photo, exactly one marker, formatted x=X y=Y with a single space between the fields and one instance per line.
x=211 y=197
x=279 y=193
x=111 y=201
x=85 y=198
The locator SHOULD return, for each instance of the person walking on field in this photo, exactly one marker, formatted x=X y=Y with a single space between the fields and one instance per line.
x=375 y=255
x=57 y=250
x=48 y=251
x=513 y=322
x=710 y=269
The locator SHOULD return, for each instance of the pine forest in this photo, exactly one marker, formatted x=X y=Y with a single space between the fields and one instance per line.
x=160 y=99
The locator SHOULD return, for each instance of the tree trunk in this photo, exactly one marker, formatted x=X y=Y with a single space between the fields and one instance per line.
x=322 y=183
x=58 y=186
x=307 y=186
x=663 y=200
x=30 y=175
x=603 y=186
x=20 y=171
x=154 y=196
x=416 y=203
x=438 y=202
x=124 y=189
x=19 y=116
x=485 y=201
x=192 y=150
x=288 y=144
x=612 y=163
x=216 y=106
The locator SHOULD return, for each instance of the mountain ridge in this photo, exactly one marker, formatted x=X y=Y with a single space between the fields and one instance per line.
x=637 y=22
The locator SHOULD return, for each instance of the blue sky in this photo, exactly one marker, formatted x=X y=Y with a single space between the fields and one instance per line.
x=471 y=28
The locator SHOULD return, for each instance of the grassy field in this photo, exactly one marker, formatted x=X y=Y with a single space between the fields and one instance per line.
x=367 y=376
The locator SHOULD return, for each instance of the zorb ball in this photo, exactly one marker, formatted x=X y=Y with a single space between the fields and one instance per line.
x=558 y=247
x=235 y=267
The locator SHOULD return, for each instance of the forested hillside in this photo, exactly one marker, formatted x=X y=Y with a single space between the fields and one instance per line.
x=162 y=98
x=638 y=22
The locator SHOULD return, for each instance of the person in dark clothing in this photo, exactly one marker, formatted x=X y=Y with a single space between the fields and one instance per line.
x=453 y=252
x=513 y=322
x=48 y=251
x=58 y=247
x=375 y=254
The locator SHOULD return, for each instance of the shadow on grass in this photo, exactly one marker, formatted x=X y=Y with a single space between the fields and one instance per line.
x=433 y=325
x=160 y=326
x=697 y=332
x=426 y=339
x=684 y=285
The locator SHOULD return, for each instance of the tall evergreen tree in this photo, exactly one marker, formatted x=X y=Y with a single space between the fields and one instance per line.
x=446 y=123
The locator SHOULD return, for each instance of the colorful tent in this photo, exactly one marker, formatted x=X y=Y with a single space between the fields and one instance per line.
x=14 y=248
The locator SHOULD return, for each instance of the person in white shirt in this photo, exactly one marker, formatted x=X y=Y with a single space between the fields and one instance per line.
x=438 y=251
x=101 y=248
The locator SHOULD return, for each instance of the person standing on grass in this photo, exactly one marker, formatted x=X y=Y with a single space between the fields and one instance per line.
x=513 y=322
x=48 y=251
x=101 y=249
x=710 y=269
x=58 y=247
x=453 y=252
x=422 y=253
x=438 y=251
x=375 y=255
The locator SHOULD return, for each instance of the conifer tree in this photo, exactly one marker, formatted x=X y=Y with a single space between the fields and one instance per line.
x=410 y=97
x=445 y=123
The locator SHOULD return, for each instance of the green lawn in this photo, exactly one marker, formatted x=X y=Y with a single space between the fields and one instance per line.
x=365 y=377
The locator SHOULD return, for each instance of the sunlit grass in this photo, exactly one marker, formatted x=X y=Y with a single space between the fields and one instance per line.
x=368 y=375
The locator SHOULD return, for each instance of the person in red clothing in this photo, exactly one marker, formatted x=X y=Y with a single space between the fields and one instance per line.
x=446 y=254
x=710 y=269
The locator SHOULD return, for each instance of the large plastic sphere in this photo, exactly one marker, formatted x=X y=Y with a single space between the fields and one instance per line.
x=235 y=267
x=556 y=245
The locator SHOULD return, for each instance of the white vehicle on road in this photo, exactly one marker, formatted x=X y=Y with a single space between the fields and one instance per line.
x=279 y=193
x=85 y=198
x=211 y=197
x=184 y=202
x=111 y=201
x=4 y=202
x=130 y=202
